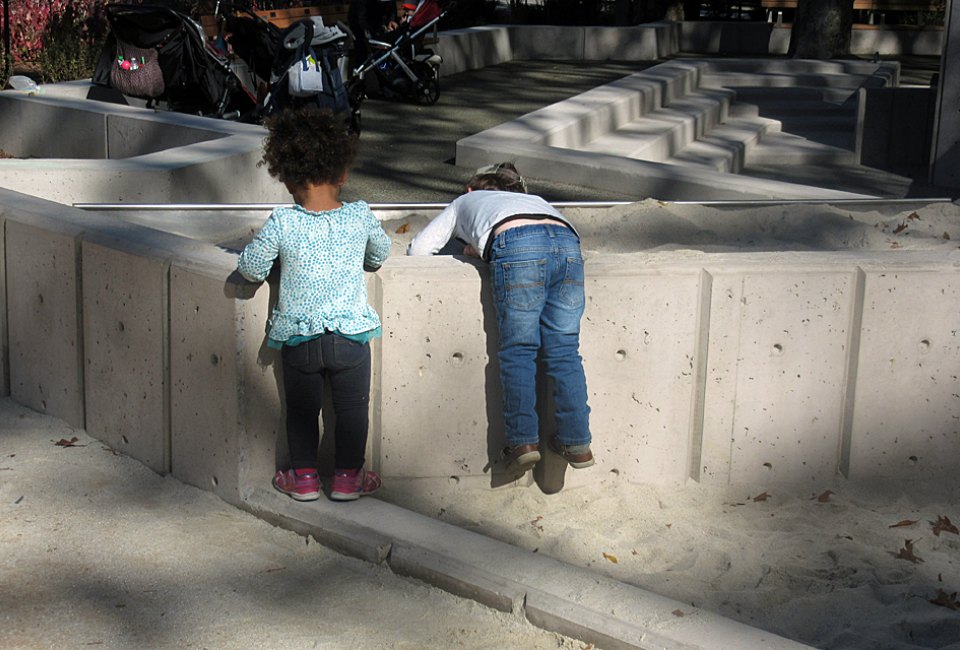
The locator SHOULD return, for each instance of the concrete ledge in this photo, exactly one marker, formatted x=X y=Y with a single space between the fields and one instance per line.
x=551 y=594
x=124 y=152
x=477 y=47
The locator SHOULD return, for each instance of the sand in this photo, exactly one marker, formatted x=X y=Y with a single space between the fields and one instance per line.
x=834 y=565
x=98 y=551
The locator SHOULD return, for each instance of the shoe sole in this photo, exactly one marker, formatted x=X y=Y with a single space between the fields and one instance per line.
x=349 y=496
x=575 y=465
x=309 y=496
x=523 y=462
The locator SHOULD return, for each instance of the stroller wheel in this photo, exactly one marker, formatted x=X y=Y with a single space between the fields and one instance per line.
x=427 y=90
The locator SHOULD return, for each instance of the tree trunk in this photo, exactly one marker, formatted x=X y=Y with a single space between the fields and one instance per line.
x=821 y=29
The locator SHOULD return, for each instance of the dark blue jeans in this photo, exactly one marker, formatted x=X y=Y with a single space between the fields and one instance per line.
x=346 y=364
x=537 y=275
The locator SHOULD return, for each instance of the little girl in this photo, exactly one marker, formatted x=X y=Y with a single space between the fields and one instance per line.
x=322 y=323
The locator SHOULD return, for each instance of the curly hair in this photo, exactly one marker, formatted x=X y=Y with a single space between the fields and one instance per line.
x=308 y=146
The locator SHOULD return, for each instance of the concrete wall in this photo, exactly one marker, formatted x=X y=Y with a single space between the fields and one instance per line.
x=119 y=152
x=477 y=47
x=780 y=367
x=895 y=129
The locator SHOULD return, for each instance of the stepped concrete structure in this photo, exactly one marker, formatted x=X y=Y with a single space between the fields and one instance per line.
x=791 y=366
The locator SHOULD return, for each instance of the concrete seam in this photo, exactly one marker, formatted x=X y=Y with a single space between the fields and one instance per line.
x=81 y=362
x=701 y=352
x=167 y=374
x=853 y=364
x=4 y=318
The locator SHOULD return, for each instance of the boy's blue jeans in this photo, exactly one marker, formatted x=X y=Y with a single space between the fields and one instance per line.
x=537 y=275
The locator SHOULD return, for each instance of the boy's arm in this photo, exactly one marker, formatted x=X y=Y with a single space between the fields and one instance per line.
x=436 y=234
x=257 y=258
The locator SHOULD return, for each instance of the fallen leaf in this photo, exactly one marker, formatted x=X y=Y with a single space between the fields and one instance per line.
x=762 y=497
x=903 y=523
x=403 y=228
x=612 y=558
x=900 y=228
x=944 y=599
x=943 y=525
x=678 y=612
x=72 y=442
x=906 y=553
x=669 y=525
x=895 y=244
x=946 y=235
x=914 y=216
x=823 y=498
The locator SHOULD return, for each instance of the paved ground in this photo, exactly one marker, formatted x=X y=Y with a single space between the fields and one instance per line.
x=408 y=151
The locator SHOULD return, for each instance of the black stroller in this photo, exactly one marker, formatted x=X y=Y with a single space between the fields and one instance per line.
x=158 y=54
x=296 y=66
x=402 y=68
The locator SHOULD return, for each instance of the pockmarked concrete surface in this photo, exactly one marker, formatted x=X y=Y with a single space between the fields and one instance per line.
x=96 y=550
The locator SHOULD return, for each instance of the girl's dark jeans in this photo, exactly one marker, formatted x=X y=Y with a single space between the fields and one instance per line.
x=346 y=365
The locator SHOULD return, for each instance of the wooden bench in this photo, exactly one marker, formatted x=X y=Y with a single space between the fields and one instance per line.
x=283 y=18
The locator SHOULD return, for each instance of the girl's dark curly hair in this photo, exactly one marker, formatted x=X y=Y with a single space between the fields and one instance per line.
x=308 y=146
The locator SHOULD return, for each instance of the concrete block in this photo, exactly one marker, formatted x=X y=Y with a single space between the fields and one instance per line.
x=866 y=40
x=132 y=135
x=776 y=372
x=4 y=338
x=637 y=43
x=547 y=42
x=439 y=387
x=43 y=316
x=596 y=628
x=205 y=408
x=125 y=299
x=639 y=340
x=473 y=48
x=40 y=120
x=896 y=128
x=325 y=521
x=906 y=418
x=457 y=577
x=945 y=153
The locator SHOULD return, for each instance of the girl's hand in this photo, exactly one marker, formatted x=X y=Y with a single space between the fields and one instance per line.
x=470 y=251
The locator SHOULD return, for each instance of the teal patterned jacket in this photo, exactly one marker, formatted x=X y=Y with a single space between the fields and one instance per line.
x=322 y=256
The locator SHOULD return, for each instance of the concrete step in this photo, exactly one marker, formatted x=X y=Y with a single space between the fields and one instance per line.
x=773 y=80
x=787 y=95
x=662 y=133
x=725 y=148
x=787 y=149
x=805 y=66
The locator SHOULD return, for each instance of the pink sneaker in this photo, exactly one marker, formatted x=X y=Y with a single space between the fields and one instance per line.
x=351 y=484
x=301 y=488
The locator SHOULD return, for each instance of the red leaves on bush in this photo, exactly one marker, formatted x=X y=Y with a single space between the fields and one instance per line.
x=31 y=22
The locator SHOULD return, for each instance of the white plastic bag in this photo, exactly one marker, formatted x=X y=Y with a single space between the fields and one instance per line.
x=305 y=77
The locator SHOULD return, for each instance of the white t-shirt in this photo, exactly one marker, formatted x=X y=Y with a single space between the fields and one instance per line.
x=471 y=217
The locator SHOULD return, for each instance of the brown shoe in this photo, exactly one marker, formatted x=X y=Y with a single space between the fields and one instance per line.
x=520 y=458
x=579 y=456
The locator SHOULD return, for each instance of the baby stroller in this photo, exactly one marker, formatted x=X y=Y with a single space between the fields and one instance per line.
x=402 y=68
x=158 y=54
x=297 y=66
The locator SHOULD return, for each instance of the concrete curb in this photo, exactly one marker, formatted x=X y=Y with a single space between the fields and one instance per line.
x=551 y=594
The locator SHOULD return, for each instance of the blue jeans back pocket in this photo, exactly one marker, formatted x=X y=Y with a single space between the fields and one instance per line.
x=571 y=292
x=522 y=285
